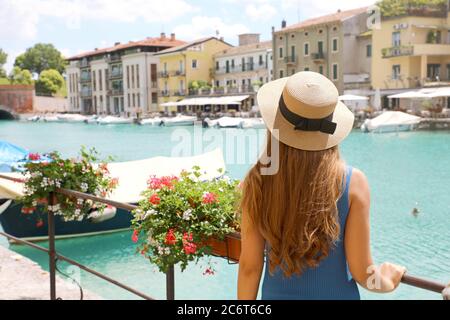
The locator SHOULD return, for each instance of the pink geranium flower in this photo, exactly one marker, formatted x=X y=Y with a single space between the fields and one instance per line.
x=135 y=237
x=189 y=248
x=209 y=198
x=154 y=199
x=34 y=156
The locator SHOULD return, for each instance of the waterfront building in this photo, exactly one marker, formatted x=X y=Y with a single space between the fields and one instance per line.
x=411 y=50
x=243 y=69
x=183 y=67
x=337 y=45
x=120 y=80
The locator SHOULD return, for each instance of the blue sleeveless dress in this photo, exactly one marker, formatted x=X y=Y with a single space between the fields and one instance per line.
x=331 y=280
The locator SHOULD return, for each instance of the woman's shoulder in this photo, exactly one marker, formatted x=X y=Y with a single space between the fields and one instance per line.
x=359 y=185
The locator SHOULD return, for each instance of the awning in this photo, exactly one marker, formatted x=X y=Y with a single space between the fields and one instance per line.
x=352 y=97
x=225 y=100
x=437 y=92
x=410 y=95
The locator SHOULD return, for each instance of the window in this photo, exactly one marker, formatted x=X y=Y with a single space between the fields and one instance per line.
x=306 y=49
x=217 y=65
x=280 y=52
x=292 y=52
x=232 y=63
x=134 y=100
x=306 y=34
x=132 y=77
x=261 y=60
x=433 y=71
x=396 y=72
x=138 y=99
x=369 y=51
x=320 y=31
x=181 y=66
x=194 y=64
x=129 y=101
x=281 y=73
x=306 y=69
x=321 y=69
x=94 y=80
x=396 y=39
x=243 y=64
x=154 y=97
x=335 y=45
x=137 y=76
x=292 y=72
x=448 y=74
x=335 y=72
x=320 y=47
x=165 y=67
x=128 y=77
x=100 y=80
x=227 y=66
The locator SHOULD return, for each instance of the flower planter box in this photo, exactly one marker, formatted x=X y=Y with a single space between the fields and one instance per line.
x=229 y=248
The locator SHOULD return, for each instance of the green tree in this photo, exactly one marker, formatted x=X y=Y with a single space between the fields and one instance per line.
x=3 y=58
x=19 y=76
x=41 y=57
x=50 y=82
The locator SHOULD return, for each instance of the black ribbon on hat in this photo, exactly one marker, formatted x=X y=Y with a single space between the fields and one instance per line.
x=325 y=125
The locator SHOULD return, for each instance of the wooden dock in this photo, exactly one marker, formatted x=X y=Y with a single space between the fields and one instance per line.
x=23 y=279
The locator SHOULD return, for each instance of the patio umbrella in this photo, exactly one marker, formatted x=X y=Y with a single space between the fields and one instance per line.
x=352 y=97
x=377 y=100
x=410 y=95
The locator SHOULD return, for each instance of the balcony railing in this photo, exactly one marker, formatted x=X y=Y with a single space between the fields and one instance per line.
x=290 y=59
x=116 y=74
x=54 y=256
x=86 y=93
x=115 y=92
x=397 y=51
x=178 y=73
x=84 y=63
x=179 y=93
x=163 y=74
x=165 y=93
x=86 y=78
x=318 y=56
x=113 y=58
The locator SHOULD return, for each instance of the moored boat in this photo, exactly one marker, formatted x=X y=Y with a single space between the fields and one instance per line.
x=72 y=118
x=114 y=120
x=253 y=123
x=151 y=121
x=225 y=122
x=391 y=121
x=132 y=175
x=179 y=120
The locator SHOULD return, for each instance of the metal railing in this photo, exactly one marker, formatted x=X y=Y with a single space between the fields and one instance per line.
x=170 y=275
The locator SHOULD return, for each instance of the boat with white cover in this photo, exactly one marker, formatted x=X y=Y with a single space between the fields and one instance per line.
x=114 y=120
x=179 y=120
x=225 y=122
x=71 y=117
x=253 y=123
x=151 y=121
x=132 y=177
x=391 y=121
x=50 y=118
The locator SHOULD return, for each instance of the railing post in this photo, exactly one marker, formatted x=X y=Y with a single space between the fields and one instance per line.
x=51 y=246
x=170 y=283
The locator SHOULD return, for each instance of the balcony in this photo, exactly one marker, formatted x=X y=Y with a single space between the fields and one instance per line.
x=290 y=60
x=113 y=58
x=179 y=93
x=163 y=74
x=116 y=74
x=85 y=78
x=84 y=63
x=318 y=57
x=178 y=73
x=115 y=92
x=86 y=93
x=165 y=93
x=398 y=51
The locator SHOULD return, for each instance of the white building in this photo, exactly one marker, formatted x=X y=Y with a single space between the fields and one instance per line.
x=121 y=80
x=243 y=69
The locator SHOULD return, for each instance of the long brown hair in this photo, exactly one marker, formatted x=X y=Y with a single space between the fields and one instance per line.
x=296 y=209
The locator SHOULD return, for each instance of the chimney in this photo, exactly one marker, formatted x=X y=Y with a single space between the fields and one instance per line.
x=283 y=24
x=221 y=39
x=116 y=43
x=96 y=49
x=248 y=38
x=163 y=35
x=273 y=29
x=172 y=37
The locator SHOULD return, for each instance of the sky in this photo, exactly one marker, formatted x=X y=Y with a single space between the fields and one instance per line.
x=74 y=26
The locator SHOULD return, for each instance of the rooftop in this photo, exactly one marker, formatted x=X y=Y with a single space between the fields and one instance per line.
x=161 y=41
x=334 y=17
x=247 y=48
x=189 y=44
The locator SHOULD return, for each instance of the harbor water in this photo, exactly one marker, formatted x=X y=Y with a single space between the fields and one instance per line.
x=405 y=170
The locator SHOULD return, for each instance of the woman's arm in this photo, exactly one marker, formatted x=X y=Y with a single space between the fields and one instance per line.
x=383 y=278
x=251 y=261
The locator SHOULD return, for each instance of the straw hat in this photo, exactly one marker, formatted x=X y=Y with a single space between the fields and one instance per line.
x=305 y=110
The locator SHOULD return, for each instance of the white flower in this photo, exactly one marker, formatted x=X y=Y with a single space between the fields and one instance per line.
x=167 y=251
x=149 y=213
x=160 y=250
x=187 y=215
x=84 y=187
x=80 y=201
x=77 y=212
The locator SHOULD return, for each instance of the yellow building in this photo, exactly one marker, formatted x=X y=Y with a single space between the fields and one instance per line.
x=412 y=51
x=181 y=65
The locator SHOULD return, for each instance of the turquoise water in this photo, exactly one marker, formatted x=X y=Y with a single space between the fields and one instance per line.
x=404 y=170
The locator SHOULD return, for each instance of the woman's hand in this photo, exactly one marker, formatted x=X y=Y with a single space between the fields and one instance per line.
x=391 y=275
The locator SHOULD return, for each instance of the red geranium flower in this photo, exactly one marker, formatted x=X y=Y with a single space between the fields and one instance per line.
x=26 y=210
x=154 y=199
x=34 y=156
x=209 y=198
x=39 y=223
x=135 y=237
x=208 y=271
x=170 y=237
x=187 y=236
x=189 y=247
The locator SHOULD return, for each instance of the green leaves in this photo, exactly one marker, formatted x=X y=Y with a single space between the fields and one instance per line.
x=40 y=57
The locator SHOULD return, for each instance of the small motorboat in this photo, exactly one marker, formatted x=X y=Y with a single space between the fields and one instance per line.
x=33 y=118
x=151 y=121
x=179 y=120
x=75 y=118
x=253 y=123
x=132 y=175
x=225 y=122
x=50 y=118
x=114 y=120
x=92 y=119
x=391 y=121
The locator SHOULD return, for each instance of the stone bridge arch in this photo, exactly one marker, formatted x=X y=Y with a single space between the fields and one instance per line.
x=7 y=113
